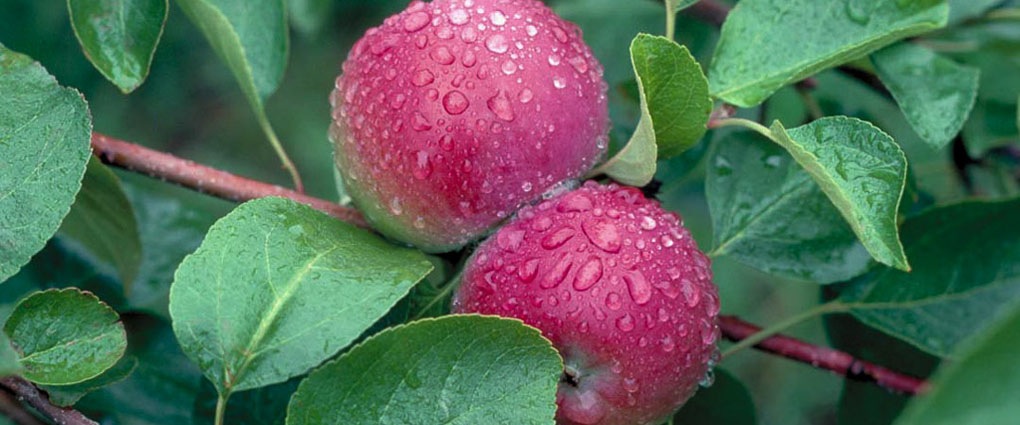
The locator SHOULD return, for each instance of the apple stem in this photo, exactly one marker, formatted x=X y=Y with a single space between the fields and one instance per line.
x=210 y=181
x=839 y=362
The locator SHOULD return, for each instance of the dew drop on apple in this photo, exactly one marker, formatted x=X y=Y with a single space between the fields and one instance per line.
x=613 y=301
x=558 y=273
x=422 y=77
x=668 y=345
x=526 y=96
x=442 y=55
x=528 y=270
x=500 y=105
x=497 y=43
x=708 y=379
x=415 y=21
x=558 y=238
x=459 y=17
x=691 y=293
x=455 y=103
x=497 y=18
x=625 y=323
x=422 y=168
x=589 y=274
x=637 y=285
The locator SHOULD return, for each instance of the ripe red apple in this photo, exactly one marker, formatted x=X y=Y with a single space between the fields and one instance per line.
x=455 y=113
x=619 y=287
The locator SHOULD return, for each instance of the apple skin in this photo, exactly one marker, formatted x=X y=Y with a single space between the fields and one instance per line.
x=620 y=288
x=453 y=114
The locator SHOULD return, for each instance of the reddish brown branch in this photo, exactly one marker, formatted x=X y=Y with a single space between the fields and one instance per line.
x=229 y=186
x=204 y=179
x=32 y=395
x=826 y=358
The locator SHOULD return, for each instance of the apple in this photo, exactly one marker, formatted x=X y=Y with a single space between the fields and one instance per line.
x=453 y=114
x=619 y=287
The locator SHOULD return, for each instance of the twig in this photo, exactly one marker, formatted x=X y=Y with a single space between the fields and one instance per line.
x=735 y=329
x=24 y=390
x=15 y=411
x=228 y=186
x=205 y=179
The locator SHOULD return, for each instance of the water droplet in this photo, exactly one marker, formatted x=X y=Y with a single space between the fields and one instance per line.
x=588 y=275
x=575 y=202
x=509 y=67
x=648 y=223
x=442 y=55
x=469 y=35
x=395 y=206
x=422 y=167
x=455 y=102
x=468 y=60
x=667 y=241
x=500 y=105
x=559 y=82
x=637 y=285
x=528 y=270
x=446 y=143
x=558 y=238
x=526 y=96
x=497 y=43
x=398 y=101
x=419 y=122
x=691 y=293
x=668 y=289
x=526 y=187
x=667 y=344
x=459 y=17
x=625 y=323
x=603 y=234
x=560 y=34
x=558 y=272
x=422 y=77
x=497 y=18
x=554 y=60
x=579 y=64
x=707 y=380
x=613 y=301
x=416 y=21
x=444 y=33
x=510 y=240
x=630 y=385
x=542 y=224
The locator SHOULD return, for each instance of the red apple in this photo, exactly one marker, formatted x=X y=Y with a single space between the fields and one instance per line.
x=453 y=114
x=619 y=287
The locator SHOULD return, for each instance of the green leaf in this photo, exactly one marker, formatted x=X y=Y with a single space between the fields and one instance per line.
x=9 y=364
x=119 y=37
x=767 y=44
x=169 y=230
x=162 y=389
x=966 y=271
x=960 y=10
x=277 y=287
x=44 y=145
x=309 y=16
x=103 y=221
x=65 y=336
x=978 y=389
x=861 y=170
x=451 y=370
x=678 y=5
x=769 y=214
x=68 y=395
x=726 y=402
x=250 y=36
x=935 y=93
x=675 y=90
x=991 y=125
